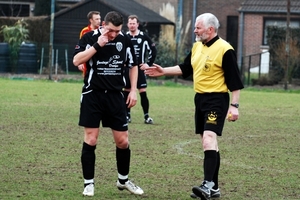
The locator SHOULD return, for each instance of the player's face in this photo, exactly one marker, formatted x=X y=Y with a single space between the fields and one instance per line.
x=201 y=32
x=95 y=21
x=113 y=31
x=132 y=25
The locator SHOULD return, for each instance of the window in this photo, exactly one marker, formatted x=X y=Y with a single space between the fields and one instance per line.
x=280 y=22
x=14 y=10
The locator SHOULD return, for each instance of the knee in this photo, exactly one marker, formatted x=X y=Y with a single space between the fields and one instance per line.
x=91 y=138
x=209 y=142
x=206 y=144
x=141 y=90
x=91 y=141
x=122 y=144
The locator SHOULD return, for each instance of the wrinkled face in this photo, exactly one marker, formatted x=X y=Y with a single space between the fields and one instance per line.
x=202 y=33
x=132 y=25
x=95 y=21
x=113 y=31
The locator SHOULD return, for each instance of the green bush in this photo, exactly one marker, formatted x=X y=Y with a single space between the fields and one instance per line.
x=38 y=27
x=165 y=55
x=38 y=32
x=14 y=36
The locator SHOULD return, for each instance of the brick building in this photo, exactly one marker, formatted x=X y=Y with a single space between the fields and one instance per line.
x=243 y=22
x=255 y=16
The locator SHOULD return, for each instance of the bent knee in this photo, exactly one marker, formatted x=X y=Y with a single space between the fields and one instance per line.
x=91 y=141
x=122 y=144
x=91 y=137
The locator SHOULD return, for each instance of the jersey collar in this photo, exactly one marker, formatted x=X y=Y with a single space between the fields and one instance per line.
x=210 y=42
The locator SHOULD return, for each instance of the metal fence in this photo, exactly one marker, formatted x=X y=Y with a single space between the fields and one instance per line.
x=257 y=64
x=59 y=58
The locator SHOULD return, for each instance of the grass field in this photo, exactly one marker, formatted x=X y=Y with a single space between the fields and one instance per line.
x=41 y=145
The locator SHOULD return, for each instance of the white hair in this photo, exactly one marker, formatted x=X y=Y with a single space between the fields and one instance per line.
x=209 y=20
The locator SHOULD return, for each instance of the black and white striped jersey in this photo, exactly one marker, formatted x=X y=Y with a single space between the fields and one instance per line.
x=145 y=49
x=105 y=70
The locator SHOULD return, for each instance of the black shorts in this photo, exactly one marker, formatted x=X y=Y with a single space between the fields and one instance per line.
x=141 y=82
x=210 y=112
x=106 y=106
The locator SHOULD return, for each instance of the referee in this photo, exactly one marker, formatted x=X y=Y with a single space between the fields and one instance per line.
x=212 y=62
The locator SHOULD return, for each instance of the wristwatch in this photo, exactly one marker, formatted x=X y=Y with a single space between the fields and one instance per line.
x=235 y=105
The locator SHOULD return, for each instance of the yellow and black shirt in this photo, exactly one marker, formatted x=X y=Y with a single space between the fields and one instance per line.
x=213 y=66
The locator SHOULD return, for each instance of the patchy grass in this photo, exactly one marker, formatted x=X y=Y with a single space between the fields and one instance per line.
x=41 y=145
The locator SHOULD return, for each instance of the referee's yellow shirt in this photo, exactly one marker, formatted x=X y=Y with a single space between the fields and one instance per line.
x=206 y=61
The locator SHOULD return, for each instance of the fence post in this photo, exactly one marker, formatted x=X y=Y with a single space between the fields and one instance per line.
x=66 y=57
x=249 y=70
x=259 y=66
x=42 y=59
x=56 y=63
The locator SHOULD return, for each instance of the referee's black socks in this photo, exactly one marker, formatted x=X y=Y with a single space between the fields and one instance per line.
x=210 y=164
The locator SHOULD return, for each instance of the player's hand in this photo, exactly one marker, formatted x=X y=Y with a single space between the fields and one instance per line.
x=81 y=67
x=154 y=71
x=103 y=38
x=144 y=66
x=131 y=99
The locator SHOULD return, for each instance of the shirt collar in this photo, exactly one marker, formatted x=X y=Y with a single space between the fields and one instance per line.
x=210 y=42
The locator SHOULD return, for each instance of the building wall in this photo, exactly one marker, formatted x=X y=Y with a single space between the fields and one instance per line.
x=253 y=33
x=156 y=5
x=221 y=9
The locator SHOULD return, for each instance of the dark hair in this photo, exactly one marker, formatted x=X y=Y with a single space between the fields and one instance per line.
x=134 y=17
x=113 y=17
x=91 y=13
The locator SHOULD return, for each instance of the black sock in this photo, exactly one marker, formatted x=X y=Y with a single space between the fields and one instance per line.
x=210 y=163
x=216 y=174
x=123 y=162
x=145 y=104
x=88 y=159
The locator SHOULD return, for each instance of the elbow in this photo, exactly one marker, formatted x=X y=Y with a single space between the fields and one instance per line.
x=76 y=61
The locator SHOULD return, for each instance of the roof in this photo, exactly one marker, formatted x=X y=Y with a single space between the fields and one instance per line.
x=126 y=8
x=270 y=6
